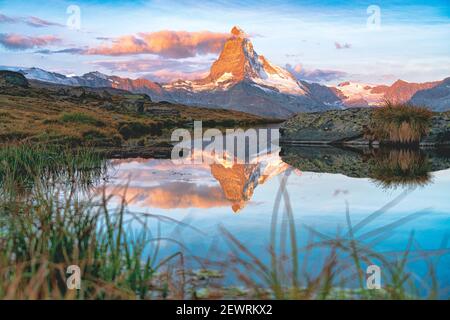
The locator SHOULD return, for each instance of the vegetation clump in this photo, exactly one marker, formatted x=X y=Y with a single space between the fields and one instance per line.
x=79 y=117
x=400 y=123
x=22 y=166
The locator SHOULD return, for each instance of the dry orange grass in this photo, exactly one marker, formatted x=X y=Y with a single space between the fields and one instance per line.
x=400 y=123
x=43 y=118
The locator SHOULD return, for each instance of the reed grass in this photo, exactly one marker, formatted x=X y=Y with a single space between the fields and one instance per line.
x=41 y=237
x=23 y=165
x=400 y=123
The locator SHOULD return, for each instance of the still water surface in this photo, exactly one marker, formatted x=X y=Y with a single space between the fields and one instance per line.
x=243 y=199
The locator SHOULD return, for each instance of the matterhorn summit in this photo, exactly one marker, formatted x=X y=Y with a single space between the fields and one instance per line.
x=238 y=32
x=242 y=80
x=238 y=62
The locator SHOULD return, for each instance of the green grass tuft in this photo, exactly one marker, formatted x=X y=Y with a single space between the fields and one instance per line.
x=81 y=118
x=24 y=165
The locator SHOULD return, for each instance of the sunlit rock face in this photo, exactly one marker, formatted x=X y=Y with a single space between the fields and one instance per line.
x=402 y=91
x=237 y=62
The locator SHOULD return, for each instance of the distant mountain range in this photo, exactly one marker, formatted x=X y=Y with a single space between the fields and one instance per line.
x=93 y=80
x=242 y=80
x=364 y=95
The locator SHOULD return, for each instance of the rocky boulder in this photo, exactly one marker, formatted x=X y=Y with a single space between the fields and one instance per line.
x=326 y=127
x=12 y=79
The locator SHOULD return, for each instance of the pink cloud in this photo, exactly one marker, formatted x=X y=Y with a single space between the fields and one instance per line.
x=38 y=22
x=170 y=75
x=315 y=75
x=160 y=69
x=6 y=19
x=19 y=42
x=31 y=21
x=342 y=45
x=169 y=44
x=173 y=195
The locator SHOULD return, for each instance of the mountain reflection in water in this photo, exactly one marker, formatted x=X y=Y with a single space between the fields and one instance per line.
x=161 y=183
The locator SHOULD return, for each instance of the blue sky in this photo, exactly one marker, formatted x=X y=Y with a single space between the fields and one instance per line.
x=326 y=41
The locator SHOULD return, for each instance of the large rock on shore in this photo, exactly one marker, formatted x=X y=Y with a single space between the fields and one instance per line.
x=327 y=127
x=348 y=127
x=12 y=79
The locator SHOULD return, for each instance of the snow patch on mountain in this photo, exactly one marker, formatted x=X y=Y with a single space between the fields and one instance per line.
x=360 y=94
x=227 y=76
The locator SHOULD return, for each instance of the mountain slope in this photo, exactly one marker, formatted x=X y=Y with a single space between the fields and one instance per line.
x=355 y=94
x=246 y=87
x=242 y=80
x=437 y=98
x=402 y=91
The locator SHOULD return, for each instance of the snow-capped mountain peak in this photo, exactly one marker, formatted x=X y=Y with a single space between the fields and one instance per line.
x=95 y=75
x=238 y=32
x=238 y=62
